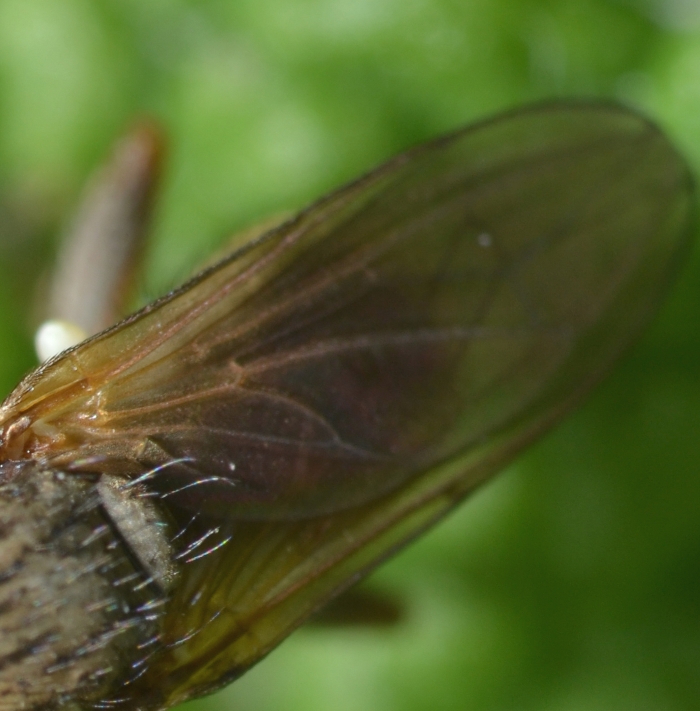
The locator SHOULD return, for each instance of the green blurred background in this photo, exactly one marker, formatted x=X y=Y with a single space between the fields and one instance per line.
x=571 y=582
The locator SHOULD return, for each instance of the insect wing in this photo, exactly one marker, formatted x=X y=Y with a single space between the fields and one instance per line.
x=333 y=388
x=395 y=324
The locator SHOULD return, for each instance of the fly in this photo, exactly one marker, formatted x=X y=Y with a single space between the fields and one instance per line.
x=182 y=490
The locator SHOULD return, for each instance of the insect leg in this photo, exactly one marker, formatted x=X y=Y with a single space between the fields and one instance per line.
x=94 y=274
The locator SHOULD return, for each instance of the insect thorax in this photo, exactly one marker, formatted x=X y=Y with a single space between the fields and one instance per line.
x=79 y=608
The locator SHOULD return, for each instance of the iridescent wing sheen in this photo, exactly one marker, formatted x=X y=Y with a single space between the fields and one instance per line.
x=463 y=288
x=333 y=388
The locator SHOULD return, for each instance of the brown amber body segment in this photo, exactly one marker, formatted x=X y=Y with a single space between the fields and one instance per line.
x=305 y=407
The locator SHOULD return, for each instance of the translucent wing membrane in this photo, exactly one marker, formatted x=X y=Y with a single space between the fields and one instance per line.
x=331 y=389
